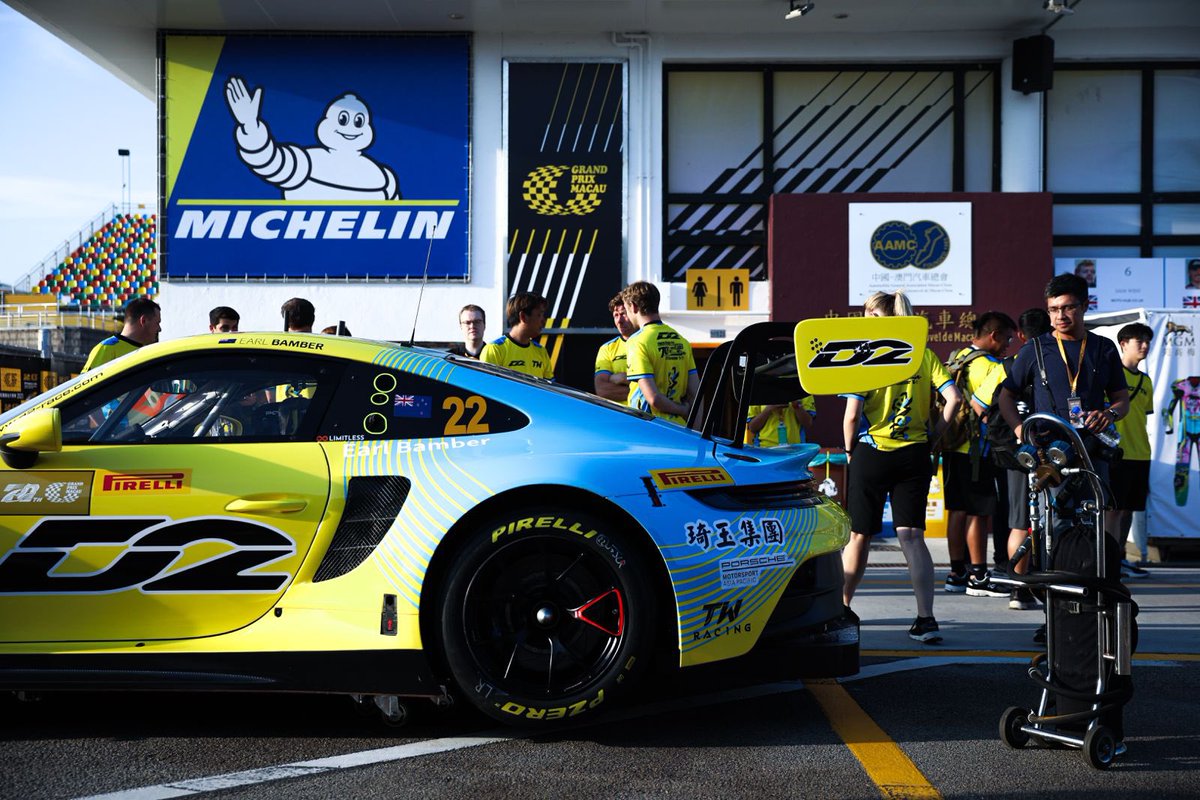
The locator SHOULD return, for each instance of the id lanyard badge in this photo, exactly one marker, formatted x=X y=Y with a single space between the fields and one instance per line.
x=1075 y=411
x=1074 y=406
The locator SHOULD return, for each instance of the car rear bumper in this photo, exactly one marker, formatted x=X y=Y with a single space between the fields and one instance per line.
x=810 y=635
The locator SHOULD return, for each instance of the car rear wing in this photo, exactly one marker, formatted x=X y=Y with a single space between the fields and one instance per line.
x=777 y=362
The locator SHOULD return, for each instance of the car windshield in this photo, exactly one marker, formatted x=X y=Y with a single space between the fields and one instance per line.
x=558 y=388
x=49 y=394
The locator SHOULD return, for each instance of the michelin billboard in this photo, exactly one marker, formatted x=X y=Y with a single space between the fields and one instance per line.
x=315 y=156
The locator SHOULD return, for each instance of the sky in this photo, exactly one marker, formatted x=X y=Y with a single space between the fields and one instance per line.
x=66 y=118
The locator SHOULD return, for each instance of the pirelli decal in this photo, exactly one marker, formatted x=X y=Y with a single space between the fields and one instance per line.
x=46 y=493
x=690 y=477
x=163 y=481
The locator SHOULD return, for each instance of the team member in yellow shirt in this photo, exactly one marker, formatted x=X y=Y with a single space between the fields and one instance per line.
x=892 y=457
x=968 y=475
x=611 y=381
x=519 y=349
x=662 y=373
x=1130 y=476
x=783 y=423
x=143 y=323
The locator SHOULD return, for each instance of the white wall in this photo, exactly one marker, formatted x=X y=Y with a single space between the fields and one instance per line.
x=386 y=310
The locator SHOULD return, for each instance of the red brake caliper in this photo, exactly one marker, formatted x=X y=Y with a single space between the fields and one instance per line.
x=595 y=620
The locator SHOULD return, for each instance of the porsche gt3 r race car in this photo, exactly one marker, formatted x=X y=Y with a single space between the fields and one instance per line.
x=298 y=512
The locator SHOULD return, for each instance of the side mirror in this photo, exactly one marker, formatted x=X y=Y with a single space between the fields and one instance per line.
x=36 y=432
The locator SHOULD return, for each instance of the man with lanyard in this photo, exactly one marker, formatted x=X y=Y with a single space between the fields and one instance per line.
x=1072 y=372
x=610 y=380
x=519 y=349
x=143 y=323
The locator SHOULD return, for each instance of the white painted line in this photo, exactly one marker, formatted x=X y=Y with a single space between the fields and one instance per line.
x=925 y=662
x=317 y=766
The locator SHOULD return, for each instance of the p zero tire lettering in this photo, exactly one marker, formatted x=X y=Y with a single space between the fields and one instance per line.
x=545 y=614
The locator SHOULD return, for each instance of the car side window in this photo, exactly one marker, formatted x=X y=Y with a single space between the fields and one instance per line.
x=375 y=402
x=240 y=397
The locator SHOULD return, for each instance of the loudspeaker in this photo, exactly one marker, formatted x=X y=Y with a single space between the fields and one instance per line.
x=1033 y=64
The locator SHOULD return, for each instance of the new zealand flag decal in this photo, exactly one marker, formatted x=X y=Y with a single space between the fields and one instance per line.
x=412 y=405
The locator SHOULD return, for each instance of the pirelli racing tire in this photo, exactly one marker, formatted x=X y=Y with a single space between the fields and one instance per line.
x=546 y=617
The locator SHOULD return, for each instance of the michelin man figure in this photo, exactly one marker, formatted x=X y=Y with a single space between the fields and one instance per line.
x=335 y=169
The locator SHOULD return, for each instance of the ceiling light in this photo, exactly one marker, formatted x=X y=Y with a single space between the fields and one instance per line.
x=798 y=8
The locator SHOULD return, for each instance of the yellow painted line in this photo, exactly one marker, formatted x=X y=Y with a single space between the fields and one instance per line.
x=940 y=653
x=892 y=772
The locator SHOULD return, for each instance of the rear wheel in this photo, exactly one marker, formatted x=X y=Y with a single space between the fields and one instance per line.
x=546 y=616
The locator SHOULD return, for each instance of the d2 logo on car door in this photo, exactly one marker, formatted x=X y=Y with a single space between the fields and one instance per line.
x=152 y=546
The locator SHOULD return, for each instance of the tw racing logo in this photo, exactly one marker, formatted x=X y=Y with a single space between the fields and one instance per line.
x=721 y=619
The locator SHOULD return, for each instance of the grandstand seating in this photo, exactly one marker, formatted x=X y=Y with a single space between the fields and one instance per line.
x=116 y=263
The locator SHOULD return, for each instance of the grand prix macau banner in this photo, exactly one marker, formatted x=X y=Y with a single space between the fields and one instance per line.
x=310 y=156
x=566 y=193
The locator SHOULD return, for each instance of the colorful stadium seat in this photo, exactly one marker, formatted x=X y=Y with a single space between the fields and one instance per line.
x=118 y=262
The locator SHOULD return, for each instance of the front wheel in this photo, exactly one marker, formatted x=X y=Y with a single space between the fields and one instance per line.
x=1011 y=723
x=546 y=616
x=1099 y=747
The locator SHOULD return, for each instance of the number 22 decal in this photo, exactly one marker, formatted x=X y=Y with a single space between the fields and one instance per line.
x=457 y=408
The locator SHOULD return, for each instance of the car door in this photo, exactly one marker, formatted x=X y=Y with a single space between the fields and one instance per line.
x=186 y=495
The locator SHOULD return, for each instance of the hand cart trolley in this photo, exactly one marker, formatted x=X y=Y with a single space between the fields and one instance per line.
x=1085 y=672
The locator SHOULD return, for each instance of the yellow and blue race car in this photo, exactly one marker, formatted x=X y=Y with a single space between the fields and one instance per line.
x=298 y=512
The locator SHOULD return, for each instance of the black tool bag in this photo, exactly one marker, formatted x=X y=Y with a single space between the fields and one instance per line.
x=1075 y=646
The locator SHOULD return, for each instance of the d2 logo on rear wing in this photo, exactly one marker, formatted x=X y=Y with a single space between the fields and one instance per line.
x=857 y=354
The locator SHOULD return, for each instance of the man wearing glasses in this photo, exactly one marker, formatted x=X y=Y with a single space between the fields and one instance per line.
x=471 y=321
x=1083 y=381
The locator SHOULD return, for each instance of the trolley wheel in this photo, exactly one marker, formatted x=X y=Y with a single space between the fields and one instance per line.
x=1011 y=722
x=1099 y=747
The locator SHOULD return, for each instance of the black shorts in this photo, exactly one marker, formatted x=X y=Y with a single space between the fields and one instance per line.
x=1130 y=483
x=874 y=474
x=1018 y=499
x=976 y=497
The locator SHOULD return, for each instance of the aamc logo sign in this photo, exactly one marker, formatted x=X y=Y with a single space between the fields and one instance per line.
x=896 y=245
